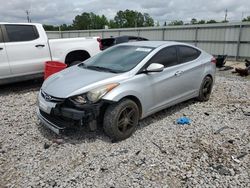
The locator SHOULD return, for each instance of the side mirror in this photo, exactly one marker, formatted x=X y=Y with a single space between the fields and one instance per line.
x=155 y=67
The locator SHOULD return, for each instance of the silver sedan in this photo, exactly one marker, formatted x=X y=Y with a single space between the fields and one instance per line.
x=121 y=85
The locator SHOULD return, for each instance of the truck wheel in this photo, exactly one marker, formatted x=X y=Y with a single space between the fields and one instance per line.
x=205 y=89
x=121 y=119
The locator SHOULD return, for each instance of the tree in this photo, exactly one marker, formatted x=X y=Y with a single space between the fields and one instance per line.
x=65 y=27
x=148 y=20
x=211 y=21
x=89 y=21
x=131 y=18
x=112 y=24
x=201 y=22
x=50 y=28
x=123 y=19
x=176 y=22
x=247 y=19
x=193 y=21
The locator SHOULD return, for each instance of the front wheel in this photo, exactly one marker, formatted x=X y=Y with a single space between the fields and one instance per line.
x=121 y=119
x=205 y=89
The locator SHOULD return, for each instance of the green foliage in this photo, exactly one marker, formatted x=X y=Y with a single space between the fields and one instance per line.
x=176 y=22
x=131 y=18
x=193 y=21
x=112 y=24
x=62 y=27
x=211 y=21
x=89 y=21
x=247 y=19
x=65 y=27
x=201 y=22
x=50 y=28
x=123 y=19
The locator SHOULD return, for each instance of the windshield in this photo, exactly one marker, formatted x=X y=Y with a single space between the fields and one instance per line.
x=117 y=59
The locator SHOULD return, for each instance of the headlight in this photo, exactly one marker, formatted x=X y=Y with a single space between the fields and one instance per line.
x=96 y=94
x=81 y=99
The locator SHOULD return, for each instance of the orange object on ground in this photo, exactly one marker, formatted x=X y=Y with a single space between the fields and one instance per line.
x=52 y=67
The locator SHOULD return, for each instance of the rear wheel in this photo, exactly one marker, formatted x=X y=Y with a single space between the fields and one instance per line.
x=205 y=89
x=121 y=119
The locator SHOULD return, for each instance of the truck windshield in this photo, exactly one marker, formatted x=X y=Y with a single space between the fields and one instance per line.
x=117 y=59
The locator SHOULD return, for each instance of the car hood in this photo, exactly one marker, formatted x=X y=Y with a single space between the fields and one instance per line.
x=76 y=80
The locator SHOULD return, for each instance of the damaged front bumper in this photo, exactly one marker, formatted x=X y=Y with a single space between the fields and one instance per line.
x=60 y=115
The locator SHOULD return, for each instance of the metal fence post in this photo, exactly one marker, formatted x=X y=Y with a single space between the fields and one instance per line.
x=238 y=43
x=196 y=36
x=163 y=33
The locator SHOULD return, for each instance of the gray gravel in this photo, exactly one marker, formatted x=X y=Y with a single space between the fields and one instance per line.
x=160 y=153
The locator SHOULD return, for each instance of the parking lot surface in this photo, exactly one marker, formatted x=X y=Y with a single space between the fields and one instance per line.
x=212 y=151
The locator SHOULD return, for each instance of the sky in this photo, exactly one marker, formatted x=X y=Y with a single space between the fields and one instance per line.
x=57 y=12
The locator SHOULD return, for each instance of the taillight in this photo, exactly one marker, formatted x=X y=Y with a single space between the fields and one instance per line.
x=213 y=60
x=100 y=43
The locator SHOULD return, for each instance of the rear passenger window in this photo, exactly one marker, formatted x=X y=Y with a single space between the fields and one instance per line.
x=188 y=53
x=18 y=33
x=166 y=57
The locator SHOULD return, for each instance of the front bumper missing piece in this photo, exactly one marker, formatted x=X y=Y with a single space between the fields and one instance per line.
x=59 y=119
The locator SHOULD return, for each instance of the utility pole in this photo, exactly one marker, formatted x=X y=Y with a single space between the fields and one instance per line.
x=28 y=16
x=225 y=15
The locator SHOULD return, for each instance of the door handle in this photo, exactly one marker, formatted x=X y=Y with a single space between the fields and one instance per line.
x=1 y=48
x=178 y=73
x=40 y=45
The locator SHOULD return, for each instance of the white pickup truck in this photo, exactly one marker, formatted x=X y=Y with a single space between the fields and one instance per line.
x=25 y=47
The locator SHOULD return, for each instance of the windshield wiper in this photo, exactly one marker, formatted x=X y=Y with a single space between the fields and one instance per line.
x=101 y=69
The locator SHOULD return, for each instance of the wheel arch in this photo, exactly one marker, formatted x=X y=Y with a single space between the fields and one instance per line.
x=209 y=75
x=76 y=55
x=136 y=100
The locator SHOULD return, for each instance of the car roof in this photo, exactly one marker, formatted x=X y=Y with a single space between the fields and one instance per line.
x=153 y=44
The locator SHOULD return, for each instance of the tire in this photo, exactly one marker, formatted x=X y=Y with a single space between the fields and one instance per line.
x=121 y=119
x=205 y=89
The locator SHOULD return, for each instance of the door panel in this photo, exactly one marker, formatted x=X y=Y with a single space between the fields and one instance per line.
x=4 y=63
x=27 y=53
x=191 y=68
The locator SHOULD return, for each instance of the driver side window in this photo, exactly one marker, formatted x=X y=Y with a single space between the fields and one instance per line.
x=167 y=57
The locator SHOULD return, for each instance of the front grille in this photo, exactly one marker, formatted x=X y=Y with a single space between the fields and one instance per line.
x=50 y=98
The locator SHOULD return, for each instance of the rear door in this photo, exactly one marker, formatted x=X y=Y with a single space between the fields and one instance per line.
x=189 y=70
x=4 y=64
x=26 y=48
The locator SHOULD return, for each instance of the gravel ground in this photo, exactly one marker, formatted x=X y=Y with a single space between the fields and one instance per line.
x=160 y=153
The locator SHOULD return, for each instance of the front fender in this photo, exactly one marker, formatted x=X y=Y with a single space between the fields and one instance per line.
x=117 y=95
